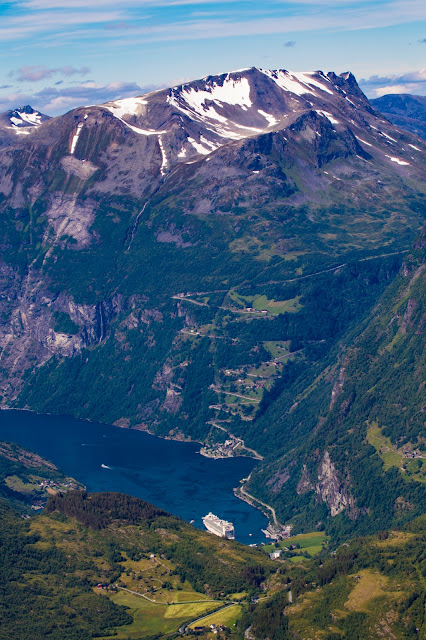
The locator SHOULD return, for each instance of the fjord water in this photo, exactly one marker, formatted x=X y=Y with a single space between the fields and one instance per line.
x=171 y=475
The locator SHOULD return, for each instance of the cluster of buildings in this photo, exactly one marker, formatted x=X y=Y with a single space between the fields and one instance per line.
x=221 y=450
x=409 y=453
x=214 y=628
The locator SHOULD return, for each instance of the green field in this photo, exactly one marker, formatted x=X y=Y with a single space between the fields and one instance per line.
x=278 y=349
x=227 y=616
x=151 y=618
x=260 y=302
x=17 y=484
x=393 y=457
x=311 y=543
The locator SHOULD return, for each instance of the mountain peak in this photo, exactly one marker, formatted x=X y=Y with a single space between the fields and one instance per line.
x=22 y=119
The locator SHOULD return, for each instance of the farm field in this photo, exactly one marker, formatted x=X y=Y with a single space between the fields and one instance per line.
x=227 y=617
x=311 y=543
x=263 y=303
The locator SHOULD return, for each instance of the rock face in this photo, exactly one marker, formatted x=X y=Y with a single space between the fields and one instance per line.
x=327 y=485
x=330 y=488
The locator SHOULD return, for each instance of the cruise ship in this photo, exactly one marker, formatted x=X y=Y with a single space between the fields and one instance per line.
x=219 y=527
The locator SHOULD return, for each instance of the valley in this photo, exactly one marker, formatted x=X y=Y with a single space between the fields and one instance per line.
x=182 y=264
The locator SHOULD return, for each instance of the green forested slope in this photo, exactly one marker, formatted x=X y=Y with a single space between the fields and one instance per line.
x=351 y=440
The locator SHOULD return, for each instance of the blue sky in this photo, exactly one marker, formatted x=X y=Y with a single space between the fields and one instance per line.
x=58 y=54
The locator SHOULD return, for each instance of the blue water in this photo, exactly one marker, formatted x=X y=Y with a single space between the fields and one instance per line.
x=171 y=475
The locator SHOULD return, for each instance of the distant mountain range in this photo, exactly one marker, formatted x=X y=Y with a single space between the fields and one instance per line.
x=406 y=111
x=192 y=261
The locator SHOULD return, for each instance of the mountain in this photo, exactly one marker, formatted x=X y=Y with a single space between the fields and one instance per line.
x=174 y=262
x=405 y=111
x=354 y=445
x=20 y=121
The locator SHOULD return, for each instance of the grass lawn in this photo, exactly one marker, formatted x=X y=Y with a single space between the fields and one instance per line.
x=189 y=610
x=238 y=596
x=17 y=484
x=189 y=596
x=396 y=539
x=148 y=618
x=312 y=543
x=227 y=616
x=152 y=619
x=277 y=349
x=274 y=307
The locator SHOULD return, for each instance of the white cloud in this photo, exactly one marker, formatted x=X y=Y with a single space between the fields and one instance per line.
x=55 y=101
x=35 y=73
x=411 y=82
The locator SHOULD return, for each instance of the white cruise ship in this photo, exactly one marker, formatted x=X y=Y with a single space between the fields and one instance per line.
x=219 y=527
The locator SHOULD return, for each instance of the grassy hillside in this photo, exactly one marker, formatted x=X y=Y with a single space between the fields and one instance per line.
x=108 y=565
x=27 y=480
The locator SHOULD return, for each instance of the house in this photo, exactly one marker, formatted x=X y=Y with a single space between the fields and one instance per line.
x=276 y=554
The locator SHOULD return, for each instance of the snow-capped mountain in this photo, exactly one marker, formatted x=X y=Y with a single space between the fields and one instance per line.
x=308 y=131
x=197 y=118
x=22 y=119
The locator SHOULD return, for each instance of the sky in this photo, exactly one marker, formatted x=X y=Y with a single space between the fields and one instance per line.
x=59 y=54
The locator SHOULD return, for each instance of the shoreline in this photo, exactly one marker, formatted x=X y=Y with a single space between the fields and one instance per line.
x=237 y=492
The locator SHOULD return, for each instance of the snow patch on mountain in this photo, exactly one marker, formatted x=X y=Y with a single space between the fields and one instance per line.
x=76 y=137
x=235 y=92
x=288 y=82
x=269 y=117
x=306 y=78
x=397 y=160
x=164 y=161
x=327 y=115
x=139 y=130
x=297 y=82
x=127 y=106
x=363 y=141
x=386 y=136
x=199 y=147
x=23 y=119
